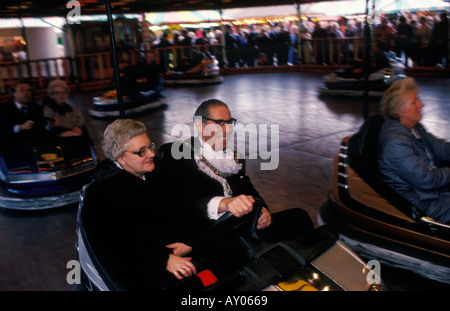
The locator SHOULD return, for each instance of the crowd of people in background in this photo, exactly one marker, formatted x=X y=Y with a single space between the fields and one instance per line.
x=419 y=39
x=423 y=40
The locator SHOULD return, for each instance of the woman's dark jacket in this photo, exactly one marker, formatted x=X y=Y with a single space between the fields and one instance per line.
x=194 y=189
x=128 y=223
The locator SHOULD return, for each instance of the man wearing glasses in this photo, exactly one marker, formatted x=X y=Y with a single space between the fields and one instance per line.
x=209 y=179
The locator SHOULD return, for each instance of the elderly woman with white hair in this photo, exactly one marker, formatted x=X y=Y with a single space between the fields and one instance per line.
x=64 y=119
x=411 y=160
x=127 y=218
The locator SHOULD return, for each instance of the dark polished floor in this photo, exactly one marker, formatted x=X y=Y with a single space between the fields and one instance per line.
x=36 y=246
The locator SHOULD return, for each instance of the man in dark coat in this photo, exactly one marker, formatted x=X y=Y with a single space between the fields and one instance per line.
x=21 y=120
x=282 y=44
x=206 y=179
x=232 y=45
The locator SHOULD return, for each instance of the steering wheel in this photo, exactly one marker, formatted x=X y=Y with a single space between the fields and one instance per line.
x=245 y=224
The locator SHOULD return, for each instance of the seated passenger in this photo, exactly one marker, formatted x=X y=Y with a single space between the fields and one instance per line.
x=21 y=120
x=66 y=123
x=127 y=218
x=203 y=188
x=64 y=119
x=142 y=77
x=197 y=63
x=410 y=158
x=378 y=60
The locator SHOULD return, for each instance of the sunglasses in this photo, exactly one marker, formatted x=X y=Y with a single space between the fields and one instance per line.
x=143 y=151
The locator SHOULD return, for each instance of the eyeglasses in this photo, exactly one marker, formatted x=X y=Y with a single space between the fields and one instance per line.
x=222 y=122
x=58 y=93
x=143 y=151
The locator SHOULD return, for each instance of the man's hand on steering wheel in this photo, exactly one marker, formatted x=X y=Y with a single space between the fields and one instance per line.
x=242 y=205
x=252 y=215
x=238 y=206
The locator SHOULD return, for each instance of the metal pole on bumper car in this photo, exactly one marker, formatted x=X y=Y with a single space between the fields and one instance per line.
x=115 y=59
x=367 y=38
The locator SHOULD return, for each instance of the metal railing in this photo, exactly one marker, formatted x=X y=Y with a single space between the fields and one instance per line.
x=97 y=68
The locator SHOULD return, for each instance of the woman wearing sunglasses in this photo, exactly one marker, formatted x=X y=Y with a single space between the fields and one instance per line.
x=127 y=218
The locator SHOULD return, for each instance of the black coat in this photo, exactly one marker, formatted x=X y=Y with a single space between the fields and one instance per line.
x=11 y=116
x=192 y=189
x=128 y=223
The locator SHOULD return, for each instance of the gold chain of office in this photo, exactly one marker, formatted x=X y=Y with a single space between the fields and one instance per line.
x=212 y=167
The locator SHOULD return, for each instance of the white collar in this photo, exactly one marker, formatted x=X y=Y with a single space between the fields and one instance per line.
x=210 y=154
x=223 y=160
x=19 y=106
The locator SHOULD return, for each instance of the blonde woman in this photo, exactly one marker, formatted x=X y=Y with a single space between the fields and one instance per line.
x=64 y=119
x=412 y=160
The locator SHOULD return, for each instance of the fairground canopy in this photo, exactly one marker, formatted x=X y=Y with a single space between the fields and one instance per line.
x=45 y=8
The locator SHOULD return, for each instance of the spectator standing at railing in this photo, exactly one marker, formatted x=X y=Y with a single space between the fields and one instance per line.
x=282 y=44
x=342 y=25
x=306 y=47
x=403 y=40
x=202 y=39
x=176 y=41
x=265 y=47
x=293 y=49
x=217 y=41
x=232 y=46
x=439 y=40
x=385 y=34
x=185 y=41
x=20 y=54
x=320 y=34
x=333 y=33
x=348 y=45
x=164 y=53
x=176 y=37
x=424 y=34
x=415 y=42
x=249 y=48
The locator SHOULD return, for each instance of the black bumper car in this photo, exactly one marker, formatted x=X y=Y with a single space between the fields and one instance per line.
x=317 y=262
x=202 y=70
x=345 y=82
x=375 y=221
x=45 y=176
x=136 y=102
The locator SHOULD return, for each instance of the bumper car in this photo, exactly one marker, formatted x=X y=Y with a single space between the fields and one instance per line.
x=375 y=221
x=204 y=71
x=317 y=262
x=45 y=176
x=134 y=103
x=344 y=83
